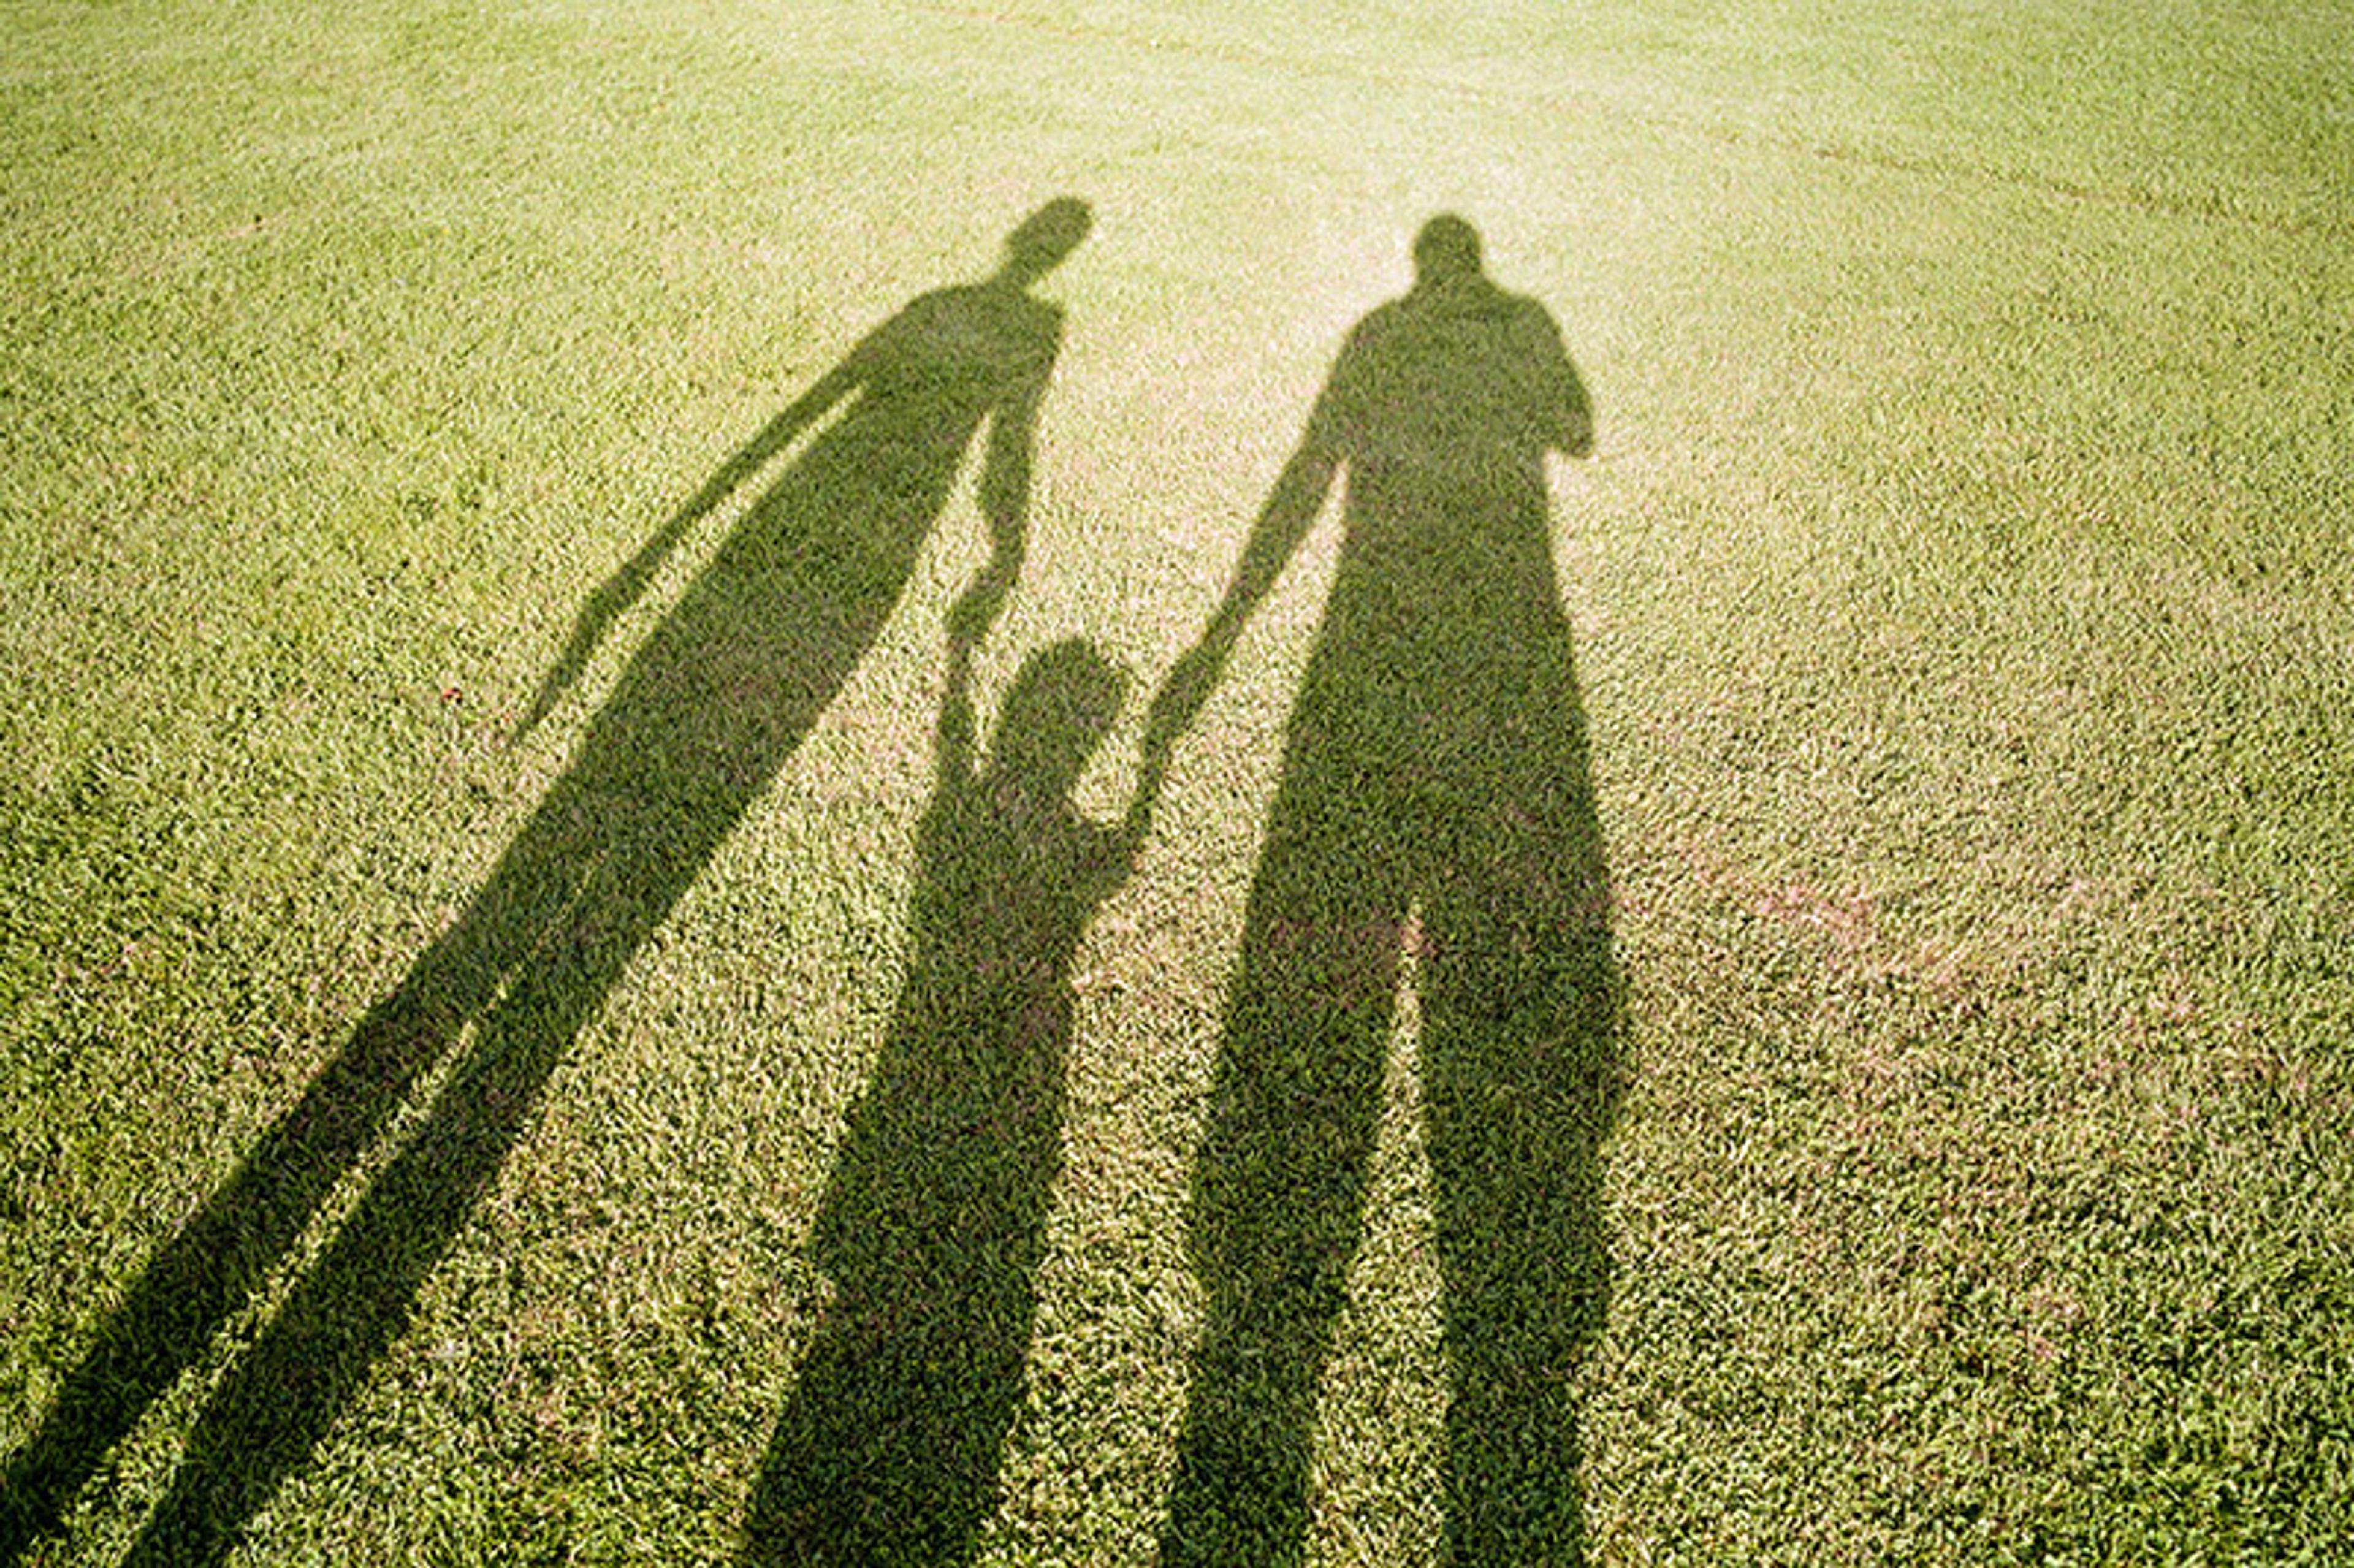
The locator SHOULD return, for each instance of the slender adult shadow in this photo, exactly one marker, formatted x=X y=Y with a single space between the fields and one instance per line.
x=700 y=722
x=935 y=1219
x=1435 y=794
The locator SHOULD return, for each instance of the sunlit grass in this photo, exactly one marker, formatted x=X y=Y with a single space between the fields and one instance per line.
x=1960 y=602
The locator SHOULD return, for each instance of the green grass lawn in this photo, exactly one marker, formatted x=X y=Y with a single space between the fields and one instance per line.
x=602 y=958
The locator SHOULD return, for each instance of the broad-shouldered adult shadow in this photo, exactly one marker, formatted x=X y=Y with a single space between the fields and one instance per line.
x=1435 y=791
x=701 y=720
x=934 y=1222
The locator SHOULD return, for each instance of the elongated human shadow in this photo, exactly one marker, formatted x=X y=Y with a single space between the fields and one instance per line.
x=935 y=1220
x=1434 y=782
x=701 y=720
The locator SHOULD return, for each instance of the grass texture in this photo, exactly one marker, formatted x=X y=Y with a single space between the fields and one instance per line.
x=855 y=783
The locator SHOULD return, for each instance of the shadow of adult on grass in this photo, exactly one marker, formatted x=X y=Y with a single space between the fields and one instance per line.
x=1434 y=797
x=935 y=1220
x=700 y=722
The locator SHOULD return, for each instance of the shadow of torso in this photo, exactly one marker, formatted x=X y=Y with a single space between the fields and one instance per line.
x=1435 y=810
x=729 y=682
x=698 y=727
x=934 y=1222
x=1443 y=659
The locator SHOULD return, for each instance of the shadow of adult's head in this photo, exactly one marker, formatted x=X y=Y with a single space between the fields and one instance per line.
x=934 y=1220
x=701 y=717
x=1446 y=247
x=1040 y=242
x=983 y=349
x=1434 y=800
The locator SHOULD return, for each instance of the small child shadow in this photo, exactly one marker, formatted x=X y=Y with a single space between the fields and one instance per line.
x=933 y=1224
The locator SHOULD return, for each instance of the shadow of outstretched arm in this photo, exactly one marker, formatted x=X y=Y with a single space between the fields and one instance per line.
x=616 y=596
x=1432 y=841
x=1291 y=511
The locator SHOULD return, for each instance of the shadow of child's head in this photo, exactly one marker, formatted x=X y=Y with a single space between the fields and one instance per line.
x=1062 y=704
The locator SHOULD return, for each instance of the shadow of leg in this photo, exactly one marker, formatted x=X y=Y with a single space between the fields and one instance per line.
x=1279 y=1190
x=207 y=1270
x=889 y=1447
x=888 y=1451
x=1519 y=1032
x=277 y=1404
